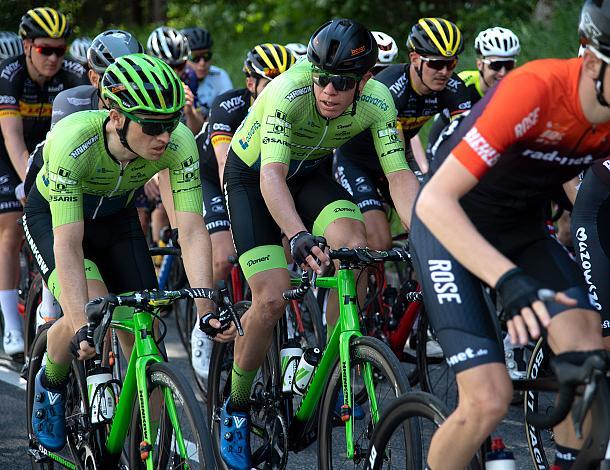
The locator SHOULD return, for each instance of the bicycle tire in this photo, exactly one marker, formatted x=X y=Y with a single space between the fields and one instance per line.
x=365 y=350
x=165 y=376
x=539 y=440
x=86 y=455
x=435 y=375
x=422 y=405
x=34 y=297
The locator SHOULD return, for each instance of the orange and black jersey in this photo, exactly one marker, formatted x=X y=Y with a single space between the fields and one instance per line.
x=21 y=96
x=414 y=110
x=526 y=136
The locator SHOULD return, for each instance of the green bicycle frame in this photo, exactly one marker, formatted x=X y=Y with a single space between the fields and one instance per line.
x=144 y=352
x=347 y=327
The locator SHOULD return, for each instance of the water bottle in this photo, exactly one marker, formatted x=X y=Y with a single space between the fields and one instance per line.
x=290 y=355
x=499 y=458
x=101 y=399
x=307 y=364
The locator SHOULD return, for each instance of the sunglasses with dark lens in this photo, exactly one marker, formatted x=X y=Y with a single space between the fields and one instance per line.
x=340 y=82
x=155 y=127
x=50 y=50
x=497 y=65
x=206 y=56
x=440 y=64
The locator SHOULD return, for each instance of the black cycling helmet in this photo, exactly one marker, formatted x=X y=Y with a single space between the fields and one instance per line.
x=110 y=45
x=435 y=36
x=44 y=22
x=343 y=46
x=198 y=38
x=594 y=27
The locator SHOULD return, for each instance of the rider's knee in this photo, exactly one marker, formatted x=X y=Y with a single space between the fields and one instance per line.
x=221 y=267
x=269 y=308
x=486 y=405
x=355 y=237
x=378 y=241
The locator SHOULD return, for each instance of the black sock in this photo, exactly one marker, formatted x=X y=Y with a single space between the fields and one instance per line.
x=565 y=456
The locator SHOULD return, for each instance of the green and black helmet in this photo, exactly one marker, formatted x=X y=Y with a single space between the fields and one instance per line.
x=143 y=84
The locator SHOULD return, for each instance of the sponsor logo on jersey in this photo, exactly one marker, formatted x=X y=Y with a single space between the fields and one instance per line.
x=482 y=148
x=8 y=99
x=252 y=262
x=443 y=281
x=79 y=101
x=279 y=122
x=527 y=123
x=398 y=85
x=10 y=70
x=217 y=126
x=380 y=103
x=55 y=88
x=410 y=123
x=232 y=103
x=294 y=94
x=554 y=157
x=553 y=134
x=35 y=109
x=73 y=67
x=246 y=141
x=273 y=140
x=452 y=84
x=78 y=151
x=465 y=105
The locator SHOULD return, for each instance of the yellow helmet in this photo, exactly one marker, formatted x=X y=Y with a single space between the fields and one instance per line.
x=44 y=22
x=268 y=60
x=435 y=36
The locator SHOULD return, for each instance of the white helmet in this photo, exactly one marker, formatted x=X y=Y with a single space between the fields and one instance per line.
x=388 y=49
x=497 y=41
x=10 y=45
x=169 y=45
x=78 y=49
x=298 y=50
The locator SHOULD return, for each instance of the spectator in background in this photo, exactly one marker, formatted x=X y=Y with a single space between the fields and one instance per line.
x=212 y=80
x=172 y=47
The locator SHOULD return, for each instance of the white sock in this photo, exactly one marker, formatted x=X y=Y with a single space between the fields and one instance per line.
x=8 y=304
x=49 y=307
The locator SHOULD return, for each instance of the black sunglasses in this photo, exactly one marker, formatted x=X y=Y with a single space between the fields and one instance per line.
x=155 y=127
x=206 y=56
x=50 y=50
x=440 y=64
x=497 y=65
x=340 y=82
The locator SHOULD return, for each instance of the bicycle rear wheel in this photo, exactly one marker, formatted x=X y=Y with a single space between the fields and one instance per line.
x=34 y=297
x=429 y=412
x=389 y=382
x=182 y=439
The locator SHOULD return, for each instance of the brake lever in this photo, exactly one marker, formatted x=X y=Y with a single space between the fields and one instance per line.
x=580 y=409
x=225 y=302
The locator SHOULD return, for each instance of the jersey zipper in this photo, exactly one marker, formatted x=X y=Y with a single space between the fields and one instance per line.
x=116 y=187
x=312 y=150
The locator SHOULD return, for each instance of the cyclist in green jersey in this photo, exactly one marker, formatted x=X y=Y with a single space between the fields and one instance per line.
x=276 y=181
x=80 y=221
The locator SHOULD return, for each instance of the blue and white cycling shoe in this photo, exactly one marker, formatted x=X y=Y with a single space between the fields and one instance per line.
x=48 y=415
x=235 y=438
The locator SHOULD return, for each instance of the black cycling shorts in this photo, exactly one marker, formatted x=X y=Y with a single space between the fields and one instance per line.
x=215 y=212
x=258 y=239
x=114 y=244
x=591 y=239
x=8 y=182
x=454 y=297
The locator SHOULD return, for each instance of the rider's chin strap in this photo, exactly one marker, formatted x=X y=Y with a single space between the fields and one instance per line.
x=356 y=98
x=122 y=133
x=483 y=78
x=599 y=85
x=420 y=74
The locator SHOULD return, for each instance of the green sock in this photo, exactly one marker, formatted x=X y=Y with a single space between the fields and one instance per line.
x=56 y=375
x=241 y=386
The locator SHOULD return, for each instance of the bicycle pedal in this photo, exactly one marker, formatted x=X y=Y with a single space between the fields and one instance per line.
x=35 y=452
x=346 y=413
x=145 y=449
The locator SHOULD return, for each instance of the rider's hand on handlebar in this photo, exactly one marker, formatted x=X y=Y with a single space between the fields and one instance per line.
x=80 y=347
x=305 y=250
x=218 y=327
x=521 y=297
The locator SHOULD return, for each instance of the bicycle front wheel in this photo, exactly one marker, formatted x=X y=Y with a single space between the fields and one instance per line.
x=180 y=431
x=389 y=382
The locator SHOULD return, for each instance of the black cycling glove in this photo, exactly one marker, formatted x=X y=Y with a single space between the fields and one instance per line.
x=516 y=291
x=301 y=245
x=224 y=318
x=81 y=335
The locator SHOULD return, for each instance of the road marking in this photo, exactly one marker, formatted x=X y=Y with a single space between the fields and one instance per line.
x=12 y=378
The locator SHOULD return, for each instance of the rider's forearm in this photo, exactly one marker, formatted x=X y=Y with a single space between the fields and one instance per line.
x=196 y=254
x=446 y=219
x=71 y=275
x=17 y=152
x=403 y=189
x=279 y=199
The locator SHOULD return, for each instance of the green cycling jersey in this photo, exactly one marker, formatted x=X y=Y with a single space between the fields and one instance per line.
x=81 y=179
x=284 y=126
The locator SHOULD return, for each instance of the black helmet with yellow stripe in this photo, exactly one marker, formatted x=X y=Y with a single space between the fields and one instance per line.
x=267 y=61
x=435 y=36
x=44 y=22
